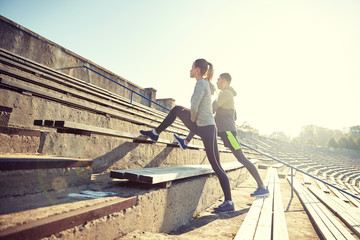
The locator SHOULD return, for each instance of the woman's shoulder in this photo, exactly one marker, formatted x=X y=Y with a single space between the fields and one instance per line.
x=202 y=82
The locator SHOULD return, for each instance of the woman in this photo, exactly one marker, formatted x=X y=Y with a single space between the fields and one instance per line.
x=199 y=119
x=225 y=116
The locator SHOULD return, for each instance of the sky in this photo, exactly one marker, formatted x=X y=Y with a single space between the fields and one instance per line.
x=293 y=63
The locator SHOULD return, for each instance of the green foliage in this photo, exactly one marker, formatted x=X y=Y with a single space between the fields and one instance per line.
x=319 y=136
x=351 y=143
x=357 y=141
x=307 y=132
x=295 y=140
x=279 y=136
x=332 y=143
x=343 y=142
x=354 y=131
x=310 y=142
x=347 y=142
x=246 y=127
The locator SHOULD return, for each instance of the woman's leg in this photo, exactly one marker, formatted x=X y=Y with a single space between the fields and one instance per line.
x=182 y=113
x=208 y=136
x=231 y=142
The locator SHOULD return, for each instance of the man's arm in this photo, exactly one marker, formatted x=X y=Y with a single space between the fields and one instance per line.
x=223 y=98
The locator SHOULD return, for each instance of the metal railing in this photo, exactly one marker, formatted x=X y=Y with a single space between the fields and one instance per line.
x=292 y=168
x=132 y=91
x=278 y=160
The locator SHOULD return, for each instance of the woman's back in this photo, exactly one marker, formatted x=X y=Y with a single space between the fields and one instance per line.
x=201 y=102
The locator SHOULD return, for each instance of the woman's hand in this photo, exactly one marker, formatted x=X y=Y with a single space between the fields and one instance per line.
x=193 y=115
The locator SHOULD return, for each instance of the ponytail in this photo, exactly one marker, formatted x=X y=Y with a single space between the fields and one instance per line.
x=210 y=72
x=207 y=71
x=206 y=68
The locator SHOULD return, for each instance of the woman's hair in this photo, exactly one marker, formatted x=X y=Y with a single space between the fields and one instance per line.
x=206 y=68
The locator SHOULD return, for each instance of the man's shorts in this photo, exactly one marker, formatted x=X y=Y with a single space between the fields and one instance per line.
x=230 y=140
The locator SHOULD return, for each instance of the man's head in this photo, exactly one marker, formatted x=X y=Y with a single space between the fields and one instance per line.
x=223 y=81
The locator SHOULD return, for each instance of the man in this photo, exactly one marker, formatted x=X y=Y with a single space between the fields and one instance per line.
x=225 y=116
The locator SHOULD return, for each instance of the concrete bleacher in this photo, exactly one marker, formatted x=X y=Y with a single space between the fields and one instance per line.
x=52 y=115
x=326 y=204
x=327 y=225
x=266 y=219
x=64 y=134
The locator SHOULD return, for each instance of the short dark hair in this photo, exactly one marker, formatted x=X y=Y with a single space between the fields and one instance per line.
x=226 y=76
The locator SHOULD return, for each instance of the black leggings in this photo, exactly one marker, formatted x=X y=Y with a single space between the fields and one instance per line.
x=209 y=138
x=230 y=141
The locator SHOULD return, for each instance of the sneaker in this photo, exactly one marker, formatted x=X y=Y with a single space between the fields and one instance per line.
x=260 y=192
x=181 y=142
x=225 y=207
x=150 y=135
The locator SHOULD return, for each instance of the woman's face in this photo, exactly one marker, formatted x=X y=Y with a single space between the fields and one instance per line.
x=194 y=71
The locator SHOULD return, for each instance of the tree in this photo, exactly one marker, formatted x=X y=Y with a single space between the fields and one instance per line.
x=279 y=136
x=310 y=142
x=357 y=141
x=295 y=140
x=354 y=131
x=343 y=142
x=322 y=135
x=351 y=143
x=319 y=134
x=332 y=143
x=306 y=133
x=246 y=127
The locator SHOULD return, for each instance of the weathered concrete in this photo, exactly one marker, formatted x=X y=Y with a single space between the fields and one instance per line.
x=158 y=210
x=23 y=182
x=22 y=41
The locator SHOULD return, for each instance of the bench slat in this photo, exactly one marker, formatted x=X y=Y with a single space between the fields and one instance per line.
x=329 y=227
x=309 y=205
x=306 y=179
x=259 y=222
x=280 y=228
x=57 y=223
x=263 y=230
x=322 y=186
x=55 y=76
x=26 y=162
x=163 y=174
x=339 y=194
x=349 y=214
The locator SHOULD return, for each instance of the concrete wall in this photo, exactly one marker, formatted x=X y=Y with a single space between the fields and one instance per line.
x=26 y=43
x=158 y=210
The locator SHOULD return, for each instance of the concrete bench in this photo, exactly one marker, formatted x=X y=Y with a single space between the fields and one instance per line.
x=165 y=175
x=266 y=218
x=38 y=79
x=84 y=129
x=42 y=226
x=325 y=223
x=31 y=174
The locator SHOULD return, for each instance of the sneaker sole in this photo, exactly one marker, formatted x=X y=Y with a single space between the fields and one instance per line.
x=262 y=195
x=232 y=211
x=179 y=144
x=148 y=138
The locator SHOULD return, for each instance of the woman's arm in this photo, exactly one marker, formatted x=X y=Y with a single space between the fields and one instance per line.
x=196 y=98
